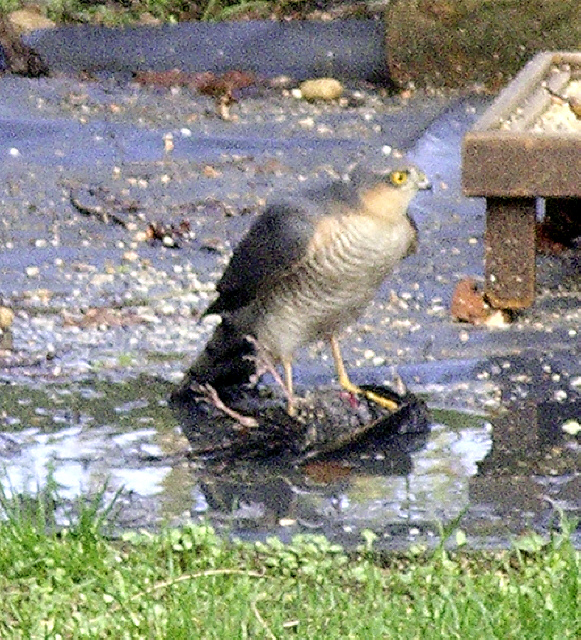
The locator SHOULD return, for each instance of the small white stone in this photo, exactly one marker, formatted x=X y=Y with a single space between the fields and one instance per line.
x=496 y=319
x=287 y=522
x=6 y=317
x=168 y=143
x=130 y=256
x=321 y=89
x=307 y=123
x=572 y=427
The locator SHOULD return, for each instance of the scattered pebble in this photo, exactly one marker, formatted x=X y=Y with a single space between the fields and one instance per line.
x=168 y=143
x=211 y=172
x=572 y=427
x=287 y=522
x=497 y=319
x=307 y=123
x=130 y=256
x=321 y=89
x=6 y=318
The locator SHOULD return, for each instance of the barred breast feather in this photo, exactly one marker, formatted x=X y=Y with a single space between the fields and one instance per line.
x=346 y=262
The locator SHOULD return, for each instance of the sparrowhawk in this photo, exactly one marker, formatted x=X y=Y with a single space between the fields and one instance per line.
x=306 y=269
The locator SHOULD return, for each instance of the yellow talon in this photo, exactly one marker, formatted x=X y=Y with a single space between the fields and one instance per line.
x=344 y=381
x=386 y=403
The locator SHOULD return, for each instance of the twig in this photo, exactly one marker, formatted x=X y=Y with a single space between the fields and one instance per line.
x=96 y=210
x=193 y=576
x=261 y=619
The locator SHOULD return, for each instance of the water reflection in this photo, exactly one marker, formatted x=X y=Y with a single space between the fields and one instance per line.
x=507 y=472
x=400 y=490
x=511 y=474
x=332 y=493
x=533 y=467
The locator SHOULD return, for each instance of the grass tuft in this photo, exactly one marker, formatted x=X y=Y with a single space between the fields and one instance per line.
x=74 y=581
x=114 y=13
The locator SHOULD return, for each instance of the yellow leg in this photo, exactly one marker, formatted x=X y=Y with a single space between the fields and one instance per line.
x=353 y=388
x=288 y=383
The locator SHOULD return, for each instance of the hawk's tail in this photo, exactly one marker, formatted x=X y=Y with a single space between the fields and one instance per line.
x=226 y=361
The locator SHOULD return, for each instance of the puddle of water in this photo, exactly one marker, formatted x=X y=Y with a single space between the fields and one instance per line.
x=507 y=472
x=85 y=434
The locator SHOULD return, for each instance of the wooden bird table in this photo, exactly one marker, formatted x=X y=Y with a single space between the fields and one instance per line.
x=526 y=146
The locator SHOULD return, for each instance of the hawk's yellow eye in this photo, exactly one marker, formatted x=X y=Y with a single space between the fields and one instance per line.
x=398 y=177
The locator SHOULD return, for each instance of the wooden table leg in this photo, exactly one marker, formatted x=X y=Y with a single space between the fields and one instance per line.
x=562 y=221
x=509 y=247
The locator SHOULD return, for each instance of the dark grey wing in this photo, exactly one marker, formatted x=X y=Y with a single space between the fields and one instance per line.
x=275 y=242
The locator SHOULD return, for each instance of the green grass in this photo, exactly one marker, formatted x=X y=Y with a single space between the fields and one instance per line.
x=188 y=583
x=115 y=13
